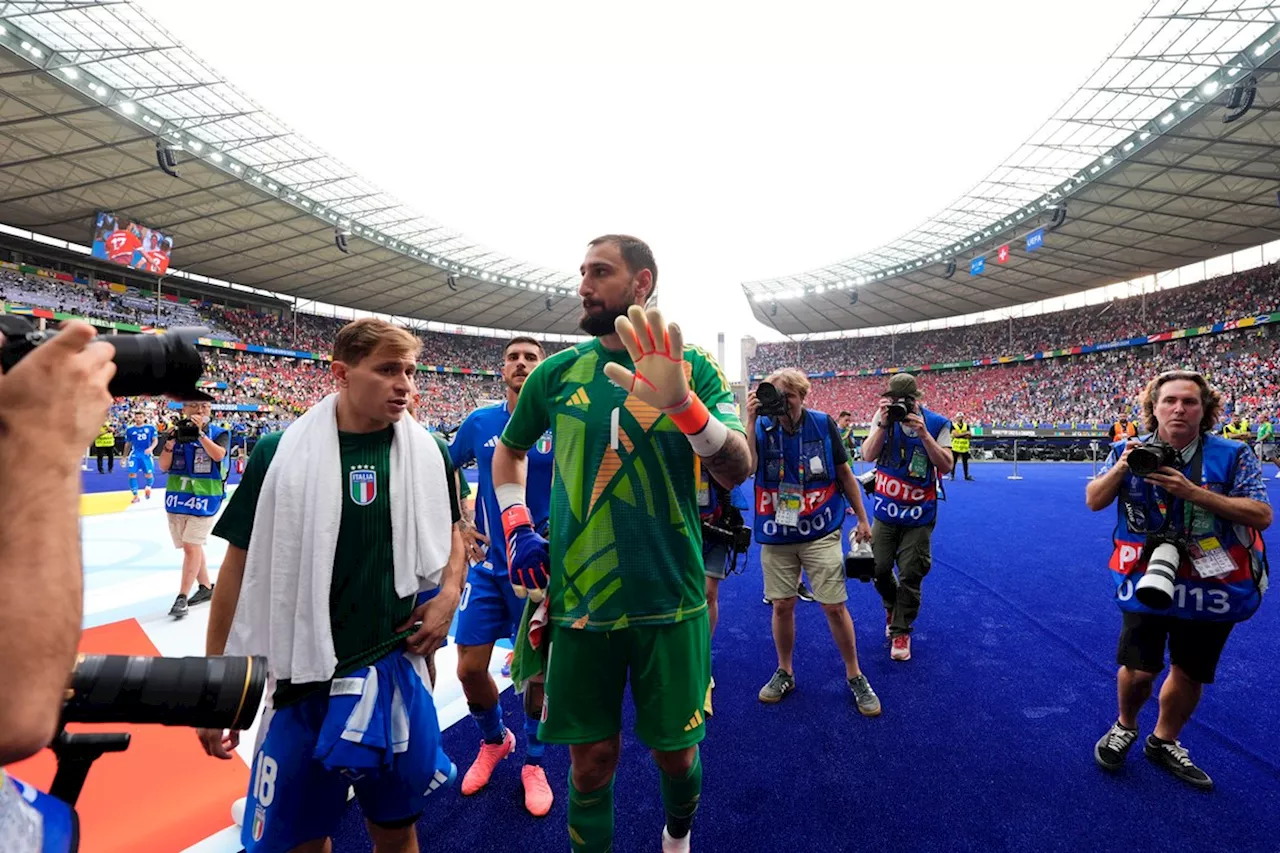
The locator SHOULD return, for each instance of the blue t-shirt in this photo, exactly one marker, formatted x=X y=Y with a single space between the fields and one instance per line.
x=476 y=439
x=139 y=438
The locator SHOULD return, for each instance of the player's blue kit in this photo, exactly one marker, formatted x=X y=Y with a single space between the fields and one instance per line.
x=140 y=458
x=490 y=610
x=376 y=727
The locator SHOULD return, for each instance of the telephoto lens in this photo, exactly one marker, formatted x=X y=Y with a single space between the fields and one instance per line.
x=208 y=693
x=1155 y=589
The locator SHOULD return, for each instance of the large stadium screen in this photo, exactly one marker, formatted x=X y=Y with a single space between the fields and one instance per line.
x=122 y=241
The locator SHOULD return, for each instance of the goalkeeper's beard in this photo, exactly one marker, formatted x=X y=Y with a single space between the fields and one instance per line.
x=599 y=325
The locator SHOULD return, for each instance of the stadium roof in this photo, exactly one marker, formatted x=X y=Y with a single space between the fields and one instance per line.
x=87 y=89
x=1162 y=158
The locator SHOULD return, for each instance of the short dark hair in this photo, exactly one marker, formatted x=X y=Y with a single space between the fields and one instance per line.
x=636 y=254
x=844 y=413
x=522 y=339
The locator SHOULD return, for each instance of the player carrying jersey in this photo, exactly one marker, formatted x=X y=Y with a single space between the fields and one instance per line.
x=490 y=609
x=140 y=440
x=341 y=528
x=122 y=244
x=631 y=414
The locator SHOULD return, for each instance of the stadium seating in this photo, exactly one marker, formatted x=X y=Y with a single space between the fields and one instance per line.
x=1089 y=388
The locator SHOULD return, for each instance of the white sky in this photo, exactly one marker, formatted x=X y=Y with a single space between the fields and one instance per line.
x=742 y=140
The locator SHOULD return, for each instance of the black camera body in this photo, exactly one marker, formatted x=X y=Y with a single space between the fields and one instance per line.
x=899 y=408
x=770 y=401
x=146 y=365
x=1154 y=454
x=735 y=537
x=186 y=431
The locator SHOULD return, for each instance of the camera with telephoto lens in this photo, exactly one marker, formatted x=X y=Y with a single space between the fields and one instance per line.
x=1153 y=455
x=770 y=401
x=146 y=365
x=898 y=409
x=1155 y=588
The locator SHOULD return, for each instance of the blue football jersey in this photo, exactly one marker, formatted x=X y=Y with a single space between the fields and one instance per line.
x=140 y=437
x=476 y=439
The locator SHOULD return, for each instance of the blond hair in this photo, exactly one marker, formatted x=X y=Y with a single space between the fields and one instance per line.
x=1210 y=400
x=359 y=338
x=791 y=380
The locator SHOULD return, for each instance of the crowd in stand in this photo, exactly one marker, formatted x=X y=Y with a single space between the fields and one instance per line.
x=1089 y=388
x=1227 y=297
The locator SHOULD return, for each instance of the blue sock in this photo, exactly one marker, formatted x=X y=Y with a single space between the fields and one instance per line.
x=150 y=480
x=533 y=748
x=133 y=485
x=490 y=723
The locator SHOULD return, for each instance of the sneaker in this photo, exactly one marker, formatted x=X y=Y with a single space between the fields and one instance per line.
x=202 y=594
x=148 y=493
x=803 y=592
x=675 y=845
x=900 y=648
x=490 y=754
x=967 y=477
x=136 y=499
x=779 y=685
x=1171 y=755
x=537 y=793
x=767 y=601
x=179 y=608
x=1114 y=746
x=506 y=665
x=868 y=702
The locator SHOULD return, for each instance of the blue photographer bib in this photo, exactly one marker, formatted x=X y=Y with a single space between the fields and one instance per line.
x=1223 y=575
x=906 y=481
x=798 y=497
x=195 y=485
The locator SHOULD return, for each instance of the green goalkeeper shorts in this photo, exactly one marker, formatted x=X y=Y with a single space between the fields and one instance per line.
x=669 y=667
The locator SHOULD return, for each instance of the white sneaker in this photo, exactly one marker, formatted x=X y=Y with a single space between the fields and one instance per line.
x=674 y=845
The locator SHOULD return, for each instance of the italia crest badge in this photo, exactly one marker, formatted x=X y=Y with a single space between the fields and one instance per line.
x=259 y=823
x=544 y=443
x=363 y=484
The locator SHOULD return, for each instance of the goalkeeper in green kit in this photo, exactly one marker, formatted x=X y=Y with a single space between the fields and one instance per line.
x=634 y=415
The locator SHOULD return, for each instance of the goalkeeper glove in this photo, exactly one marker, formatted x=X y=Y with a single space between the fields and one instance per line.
x=527 y=558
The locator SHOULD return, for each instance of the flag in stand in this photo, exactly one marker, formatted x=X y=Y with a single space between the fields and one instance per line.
x=1002 y=254
x=977 y=265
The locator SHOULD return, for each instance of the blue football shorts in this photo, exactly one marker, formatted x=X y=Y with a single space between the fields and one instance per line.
x=294 y=798
x=489 y=610
x=144 y=462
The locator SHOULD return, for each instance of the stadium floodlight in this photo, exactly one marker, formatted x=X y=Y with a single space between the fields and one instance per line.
x=1168 y=117
x=1262 y=48
x=1145 y=135
x=128 y=108
x=71 y=73
x=1210 y=88
x=1108 y=160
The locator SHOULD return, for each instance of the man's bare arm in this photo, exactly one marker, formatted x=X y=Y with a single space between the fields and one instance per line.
x=226 y=596
x=730 y=465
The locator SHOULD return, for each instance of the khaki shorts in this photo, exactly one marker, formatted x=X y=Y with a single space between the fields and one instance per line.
x=189 y=529
x=822 y=558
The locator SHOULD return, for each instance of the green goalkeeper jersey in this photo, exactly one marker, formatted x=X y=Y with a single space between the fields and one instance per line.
x=626 y=540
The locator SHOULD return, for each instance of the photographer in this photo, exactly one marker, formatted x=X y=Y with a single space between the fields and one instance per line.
x=52 y=405
x=192 y=456
x=725 y=538
x=1188 y=560
x=911 y=449
x=803 y=481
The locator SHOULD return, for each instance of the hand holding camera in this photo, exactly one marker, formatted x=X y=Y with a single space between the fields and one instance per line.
x=769 y=401
x=61 y=392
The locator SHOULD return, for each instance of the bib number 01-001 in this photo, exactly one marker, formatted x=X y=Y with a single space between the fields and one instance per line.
x=1215 y=601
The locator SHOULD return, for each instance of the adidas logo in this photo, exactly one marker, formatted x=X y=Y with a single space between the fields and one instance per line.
x=696 y=720
x=580 y=398
x=493 y=442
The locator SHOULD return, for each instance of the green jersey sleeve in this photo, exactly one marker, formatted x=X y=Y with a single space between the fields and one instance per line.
x=709 y=383
x=455 y=512
x=236 y=523
x=531 y=418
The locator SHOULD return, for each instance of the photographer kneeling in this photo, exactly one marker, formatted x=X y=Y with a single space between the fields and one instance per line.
x=1188 y=560
x=803 y=479
x=192 y=457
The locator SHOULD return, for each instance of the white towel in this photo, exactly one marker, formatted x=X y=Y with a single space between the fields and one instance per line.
x=283 y=611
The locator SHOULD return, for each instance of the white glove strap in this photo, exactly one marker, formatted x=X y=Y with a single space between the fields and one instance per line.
x=508 y=495
x=708 y=441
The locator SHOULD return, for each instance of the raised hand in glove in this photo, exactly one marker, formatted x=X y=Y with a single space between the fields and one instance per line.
x=657 y=350
x=527 y=558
